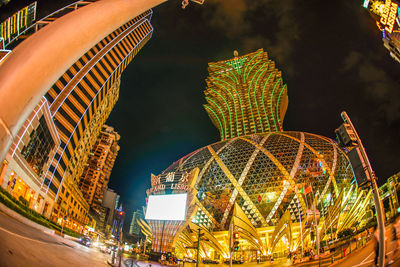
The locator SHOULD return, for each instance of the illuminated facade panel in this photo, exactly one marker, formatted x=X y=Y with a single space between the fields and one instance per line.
x=264 y=180
x=82 y=99
x=245 y=95
x=77 y=95
x=37 y=151
x=21 y=173
x=18 y=23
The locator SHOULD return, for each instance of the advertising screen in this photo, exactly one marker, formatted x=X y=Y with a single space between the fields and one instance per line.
x=166 y=207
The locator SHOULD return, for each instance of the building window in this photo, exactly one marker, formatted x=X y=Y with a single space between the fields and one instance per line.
x=37 y=151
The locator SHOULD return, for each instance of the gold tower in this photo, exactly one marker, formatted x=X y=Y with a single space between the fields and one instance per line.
x=245 y=95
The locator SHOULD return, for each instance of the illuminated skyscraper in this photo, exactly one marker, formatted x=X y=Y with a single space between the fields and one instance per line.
x=56 y=147
x=258 y=178
x=135 y=228
x=96 y=174
x=245 y=95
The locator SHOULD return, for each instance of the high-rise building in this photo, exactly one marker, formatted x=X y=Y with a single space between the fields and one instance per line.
x=117 y=202
x=258 y=178
x=390 y=196
x=48 y=157
x=109 y=203
x=245 y=95
x=134 y=229
x=97 y=172
x=15 y=27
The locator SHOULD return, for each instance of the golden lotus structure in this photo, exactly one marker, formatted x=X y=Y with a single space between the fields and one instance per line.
x=254 y=178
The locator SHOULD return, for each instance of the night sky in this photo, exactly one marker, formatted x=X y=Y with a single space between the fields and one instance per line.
x=331 y=56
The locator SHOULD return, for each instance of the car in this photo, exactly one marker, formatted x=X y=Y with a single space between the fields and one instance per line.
x=209 y=261
x=84 y=240
x=105 y=249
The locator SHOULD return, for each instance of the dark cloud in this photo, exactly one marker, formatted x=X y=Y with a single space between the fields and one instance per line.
x=287 y=33
x=4 y=2
x=229 y=15
x=377 y=85
x=276 y=34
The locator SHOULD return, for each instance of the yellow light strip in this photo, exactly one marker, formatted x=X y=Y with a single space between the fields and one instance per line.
x=243 y=176
x=292 y=174
x=333 y=171
x=236 y=185
x=325 y=165
x=203 y=170
x=198 y=203
x=334 y=161
x=281 y=168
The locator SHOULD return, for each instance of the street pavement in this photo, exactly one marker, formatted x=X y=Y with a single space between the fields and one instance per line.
x=364 y=260
x=22 y=245
x=366 y=256
x=362 y=257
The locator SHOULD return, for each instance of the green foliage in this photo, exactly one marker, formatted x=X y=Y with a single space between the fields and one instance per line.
x=23 y=201
x=331 y=230
x=370 y=224
x=346 y=233
x=22 y=208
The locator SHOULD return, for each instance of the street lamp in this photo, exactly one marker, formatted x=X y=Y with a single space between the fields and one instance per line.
x=363 y=173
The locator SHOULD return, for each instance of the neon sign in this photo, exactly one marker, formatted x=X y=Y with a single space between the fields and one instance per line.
x=389 y=15
x=398 y=16
x=171 y=180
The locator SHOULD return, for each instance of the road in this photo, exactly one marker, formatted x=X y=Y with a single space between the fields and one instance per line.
x=22 y=245
x=363 y=257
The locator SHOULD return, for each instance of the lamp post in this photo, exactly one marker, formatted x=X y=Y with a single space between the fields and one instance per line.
x=230 y=243
x=314 y=207
x=198 y=246
x=301 y=232
x=364 y=174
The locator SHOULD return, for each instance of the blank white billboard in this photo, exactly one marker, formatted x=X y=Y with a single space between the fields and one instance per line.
x=166 y=207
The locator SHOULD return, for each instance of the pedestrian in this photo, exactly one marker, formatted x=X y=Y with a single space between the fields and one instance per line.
x=162 y=259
